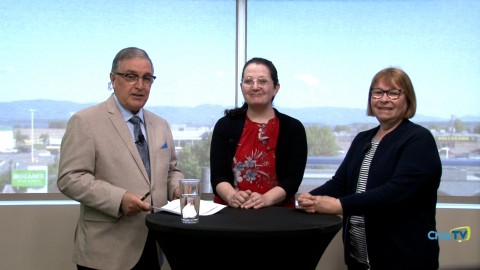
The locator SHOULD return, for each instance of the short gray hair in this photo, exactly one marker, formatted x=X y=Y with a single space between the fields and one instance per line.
x=128 y=53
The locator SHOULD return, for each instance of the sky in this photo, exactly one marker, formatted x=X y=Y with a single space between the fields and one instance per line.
x=326 y=52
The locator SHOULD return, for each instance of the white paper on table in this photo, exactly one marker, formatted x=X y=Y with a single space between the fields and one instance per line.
x=206 y=207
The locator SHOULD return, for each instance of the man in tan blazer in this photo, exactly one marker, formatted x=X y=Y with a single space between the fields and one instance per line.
x=101 y=168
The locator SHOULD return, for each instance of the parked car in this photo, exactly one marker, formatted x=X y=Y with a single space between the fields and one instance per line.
x=9 y=150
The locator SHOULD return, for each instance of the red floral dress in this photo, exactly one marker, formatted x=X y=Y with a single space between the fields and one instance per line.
x=254 y=161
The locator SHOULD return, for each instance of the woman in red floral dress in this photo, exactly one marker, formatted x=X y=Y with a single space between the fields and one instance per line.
x=258 y=155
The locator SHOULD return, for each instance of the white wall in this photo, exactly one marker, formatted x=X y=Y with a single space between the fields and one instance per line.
x=6 y=139
x=41 y=237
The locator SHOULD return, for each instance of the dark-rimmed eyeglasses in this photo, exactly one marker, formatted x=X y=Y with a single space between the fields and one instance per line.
x=262 y=81
x=133 y=78
x=392 y=94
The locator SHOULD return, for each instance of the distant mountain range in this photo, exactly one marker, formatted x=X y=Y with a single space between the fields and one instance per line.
x=18 y=113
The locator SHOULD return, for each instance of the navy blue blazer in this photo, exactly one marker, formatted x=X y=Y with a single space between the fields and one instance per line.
x=399 y=203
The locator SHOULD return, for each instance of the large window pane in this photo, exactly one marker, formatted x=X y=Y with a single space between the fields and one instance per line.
x=56 y=58
x=327 y=52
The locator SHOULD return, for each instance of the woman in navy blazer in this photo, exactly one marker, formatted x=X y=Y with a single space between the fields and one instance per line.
x=386 y=187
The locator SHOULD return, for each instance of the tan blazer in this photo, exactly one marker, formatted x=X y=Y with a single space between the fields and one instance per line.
x=99 y=162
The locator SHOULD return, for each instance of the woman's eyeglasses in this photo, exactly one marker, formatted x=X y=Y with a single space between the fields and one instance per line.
x=392 y=94
x=260 y=81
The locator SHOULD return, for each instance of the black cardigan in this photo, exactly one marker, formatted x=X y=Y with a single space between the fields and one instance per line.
x=290 y=156
x=399 y=203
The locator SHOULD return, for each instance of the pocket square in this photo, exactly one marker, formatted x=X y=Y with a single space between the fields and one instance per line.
x=165 y=145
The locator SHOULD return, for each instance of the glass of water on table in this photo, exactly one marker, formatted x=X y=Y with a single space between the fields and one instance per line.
x=190 y=191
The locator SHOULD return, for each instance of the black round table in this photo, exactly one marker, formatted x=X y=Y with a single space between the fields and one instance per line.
x=267 y=238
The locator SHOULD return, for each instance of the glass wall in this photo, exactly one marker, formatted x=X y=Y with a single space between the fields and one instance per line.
x=327 y=52
x=56 y=59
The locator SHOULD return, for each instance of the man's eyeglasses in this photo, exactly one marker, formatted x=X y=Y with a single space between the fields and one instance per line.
x=133 y=78
x=392 y=94
x=260 y=81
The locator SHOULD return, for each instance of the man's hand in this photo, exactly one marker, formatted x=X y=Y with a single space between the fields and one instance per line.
x=132 y=204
